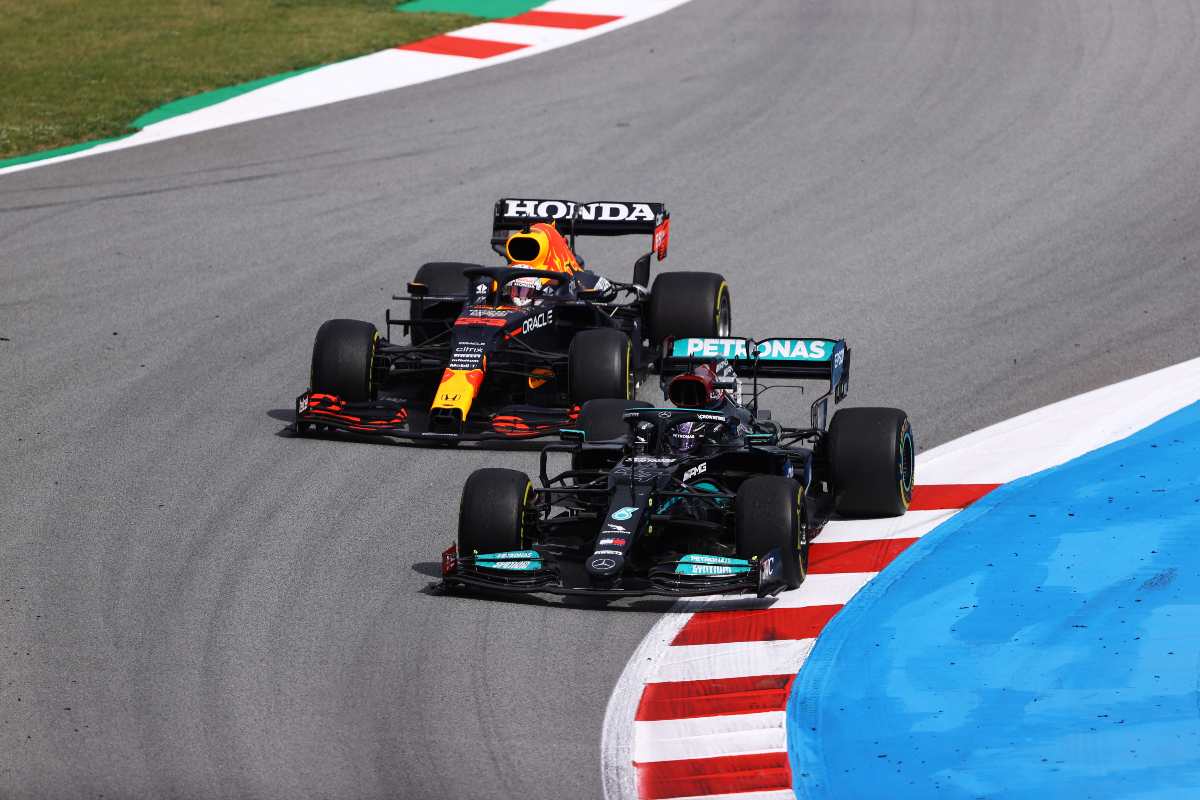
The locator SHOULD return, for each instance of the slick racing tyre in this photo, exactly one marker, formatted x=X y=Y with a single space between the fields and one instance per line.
x=491 y=518
x=768 y=515
x=432 y=318
x=601 y=421
x=871 y=455
x=689 y=304
x=343 y=359
x=599 y=366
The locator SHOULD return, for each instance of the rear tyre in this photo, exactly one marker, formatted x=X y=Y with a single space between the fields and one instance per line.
x=871 y=454
x=599 y=366
x=768 y=515
x=343 y=359
x=602 y=421
x=491 y=518
x=689 y=304
x=431 y=319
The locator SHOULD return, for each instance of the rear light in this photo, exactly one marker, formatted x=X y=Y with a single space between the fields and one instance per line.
x=450 y=560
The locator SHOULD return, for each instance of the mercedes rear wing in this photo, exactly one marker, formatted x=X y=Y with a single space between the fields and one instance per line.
x=777 y=357
x=603 y=218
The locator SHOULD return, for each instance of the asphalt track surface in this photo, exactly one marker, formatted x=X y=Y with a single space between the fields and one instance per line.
x=994 y=202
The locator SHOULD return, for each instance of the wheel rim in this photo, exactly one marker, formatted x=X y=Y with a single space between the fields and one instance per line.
x=802 y=557
x=905 y=465
x=628 y=372
x=801 y=536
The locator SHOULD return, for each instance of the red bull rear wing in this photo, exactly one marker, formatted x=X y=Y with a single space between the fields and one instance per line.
x=602 y=218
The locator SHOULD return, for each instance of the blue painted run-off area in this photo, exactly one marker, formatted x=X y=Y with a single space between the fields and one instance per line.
x=1044 y=643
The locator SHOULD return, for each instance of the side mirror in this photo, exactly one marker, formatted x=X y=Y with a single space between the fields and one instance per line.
x=417 y=289
x=641 y=272
x=573 y=435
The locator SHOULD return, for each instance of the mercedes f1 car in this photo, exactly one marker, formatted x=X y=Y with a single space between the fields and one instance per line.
x=710 y=496
x=512 y=351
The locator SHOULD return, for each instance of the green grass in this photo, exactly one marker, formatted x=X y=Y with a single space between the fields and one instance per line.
x=77 y=70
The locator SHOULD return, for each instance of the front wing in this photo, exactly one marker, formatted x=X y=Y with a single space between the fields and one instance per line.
x=319 y=413
x=460 y=573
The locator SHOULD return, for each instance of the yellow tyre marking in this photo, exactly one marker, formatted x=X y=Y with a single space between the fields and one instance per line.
x=717 y=313
x=524 y=506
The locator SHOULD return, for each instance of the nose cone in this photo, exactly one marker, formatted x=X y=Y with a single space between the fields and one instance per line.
x=605 y=565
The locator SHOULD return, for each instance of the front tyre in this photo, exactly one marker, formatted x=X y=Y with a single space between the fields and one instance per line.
x=872 y=455
x=689 y=304
x=768 y=515
x=599 y=366
x=492 y=516
x=343 y=359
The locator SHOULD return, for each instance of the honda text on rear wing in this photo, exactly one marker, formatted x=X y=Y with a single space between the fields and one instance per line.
x=601 y=218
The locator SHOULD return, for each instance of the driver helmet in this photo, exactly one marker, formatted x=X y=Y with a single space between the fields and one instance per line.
x=523 y=291
x=684 y=438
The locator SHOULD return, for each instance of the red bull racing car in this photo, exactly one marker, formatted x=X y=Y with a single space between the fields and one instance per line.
x=512 y=351
x=710 y=496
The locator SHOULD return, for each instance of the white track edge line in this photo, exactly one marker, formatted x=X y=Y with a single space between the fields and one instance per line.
x=312 y=89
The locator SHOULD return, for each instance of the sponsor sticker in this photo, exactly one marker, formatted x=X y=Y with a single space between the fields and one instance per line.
x=516 y=560
x=625 y=513
x=701 y=558
x=592 y=212
x=662 y=238
x=770 y=350
x=540 y=321
x=706 y=569
x=701 y=564
x=489 y=313
x=699 y=469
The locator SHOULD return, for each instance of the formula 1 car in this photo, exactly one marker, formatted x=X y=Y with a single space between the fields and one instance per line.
x=512 y=352
x=713 y=497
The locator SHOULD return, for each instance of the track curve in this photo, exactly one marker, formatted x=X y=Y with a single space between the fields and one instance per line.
x=993 y=202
